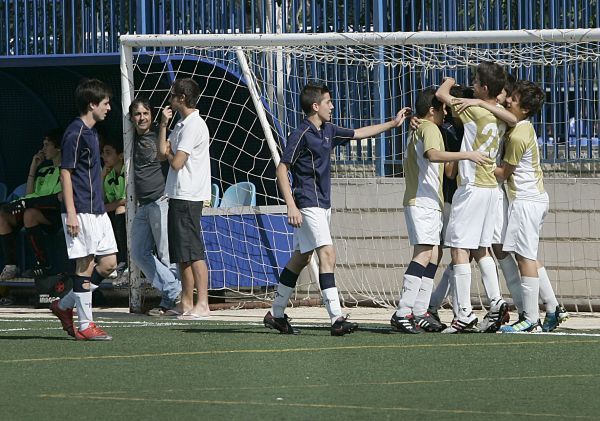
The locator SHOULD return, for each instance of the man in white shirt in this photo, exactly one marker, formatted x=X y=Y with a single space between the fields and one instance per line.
x=188 y=186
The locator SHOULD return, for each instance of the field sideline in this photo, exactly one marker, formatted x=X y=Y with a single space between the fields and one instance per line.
x=230 y=367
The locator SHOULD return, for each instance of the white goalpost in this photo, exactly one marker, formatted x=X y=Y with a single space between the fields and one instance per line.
x=250 y=100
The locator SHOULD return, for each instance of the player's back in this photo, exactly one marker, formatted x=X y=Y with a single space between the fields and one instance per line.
x=481 y=133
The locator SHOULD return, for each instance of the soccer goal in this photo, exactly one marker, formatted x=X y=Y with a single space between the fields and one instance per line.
x=250 y=100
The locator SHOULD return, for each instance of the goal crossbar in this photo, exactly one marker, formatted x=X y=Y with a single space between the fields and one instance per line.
x=371 y=38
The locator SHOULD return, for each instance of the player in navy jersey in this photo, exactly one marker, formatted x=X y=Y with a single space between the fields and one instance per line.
x=307 y=155
x=88 y=231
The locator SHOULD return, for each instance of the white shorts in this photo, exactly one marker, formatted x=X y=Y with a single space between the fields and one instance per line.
x=95 y=236
x=501 y=217
x=424 y=225
x=314 y=231
x=446 y=219
x=472 y=217
x=525 y=219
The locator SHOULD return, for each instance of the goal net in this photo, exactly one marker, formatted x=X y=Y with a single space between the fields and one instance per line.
x=250 y=100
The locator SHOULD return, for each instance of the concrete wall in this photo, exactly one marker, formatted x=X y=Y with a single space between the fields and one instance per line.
x=372 y=246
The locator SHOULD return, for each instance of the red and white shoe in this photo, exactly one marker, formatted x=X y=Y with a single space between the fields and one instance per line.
x=92 y=333
x=65 y=317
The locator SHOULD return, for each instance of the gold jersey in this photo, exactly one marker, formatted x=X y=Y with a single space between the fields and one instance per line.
x=423 y=177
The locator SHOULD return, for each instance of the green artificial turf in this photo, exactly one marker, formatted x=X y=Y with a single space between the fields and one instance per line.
x=217 y=370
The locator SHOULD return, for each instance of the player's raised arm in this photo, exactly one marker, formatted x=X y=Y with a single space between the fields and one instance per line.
x=375 y=129
x=502 y=113
x=443 y=92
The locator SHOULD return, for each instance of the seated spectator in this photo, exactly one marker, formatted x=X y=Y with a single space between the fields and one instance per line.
x=113 y=175
x=38 y=210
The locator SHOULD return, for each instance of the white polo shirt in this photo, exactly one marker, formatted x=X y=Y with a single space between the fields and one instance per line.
x=192 y=182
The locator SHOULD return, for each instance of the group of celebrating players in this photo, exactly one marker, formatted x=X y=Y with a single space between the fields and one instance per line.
x=474 y=183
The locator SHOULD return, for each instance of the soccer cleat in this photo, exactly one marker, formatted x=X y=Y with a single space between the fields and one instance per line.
x=92 y=333
x=405 y=324
x=496 y=317
x=37 y=271
x=429 y=323
x=434 y=313
x=9 y=272
x=343 y=326
x=463 y=326
x=65 y=317
x=552 y=320
x=282 y=324
x=523 y=326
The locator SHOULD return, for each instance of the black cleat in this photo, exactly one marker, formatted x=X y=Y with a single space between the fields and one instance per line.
x=495 y=318
x=37 y=271
x=404 y=324
x=343 y=326
x=429 y=323
x=282 y=324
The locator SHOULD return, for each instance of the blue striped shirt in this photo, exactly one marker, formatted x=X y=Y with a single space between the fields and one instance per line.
x=80 y=152
x=308 y=153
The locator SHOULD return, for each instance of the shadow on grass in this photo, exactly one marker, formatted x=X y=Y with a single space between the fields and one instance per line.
x=304 y=330
x=29 y=337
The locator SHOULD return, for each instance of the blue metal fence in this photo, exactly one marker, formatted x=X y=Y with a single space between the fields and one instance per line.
x=92 y=27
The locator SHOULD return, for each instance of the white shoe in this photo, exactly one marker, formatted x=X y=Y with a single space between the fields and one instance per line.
x=467 y=325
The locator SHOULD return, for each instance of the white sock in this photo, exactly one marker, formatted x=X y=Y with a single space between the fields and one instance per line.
x=68 y=301
x=441 y=290
x=331 y=299
x=462 y=285
x=410 y=289
x=423 y=297
x=546 y=291
x=513 y=280
x=489 y=276
x=83 y=302
x=453 y=295
x=531 y=291
x=282 y=297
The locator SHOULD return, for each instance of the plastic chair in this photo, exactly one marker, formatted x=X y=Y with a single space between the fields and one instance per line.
x=19 y=191
x=240 y=194
x=215 y=196
x=3 y=191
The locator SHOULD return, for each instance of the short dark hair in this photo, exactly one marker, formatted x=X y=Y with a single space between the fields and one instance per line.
x=90 y=91
x=188 y=87
x=115 y=144
x=491 y=75
x=312 y=94
x=509 y=86
x=426 y=100
x=460 y=91
x=54 y=136
x=531 y=96
x=144 y=102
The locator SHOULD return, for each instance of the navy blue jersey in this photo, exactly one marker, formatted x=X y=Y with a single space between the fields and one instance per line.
x=308 y=152
x=80 y=152
x=452 y=134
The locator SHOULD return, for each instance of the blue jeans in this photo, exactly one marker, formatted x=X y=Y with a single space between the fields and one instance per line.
x=149 y=230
